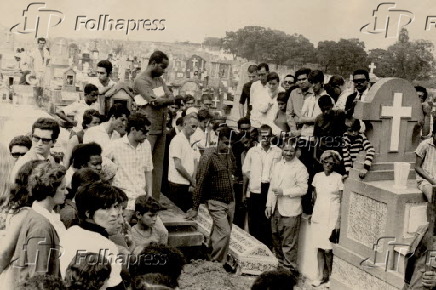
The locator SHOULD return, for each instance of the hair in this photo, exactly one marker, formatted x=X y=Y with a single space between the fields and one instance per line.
x=336 y=81
x=252 y=68
x=331 y=153
x=325 y=100
x=95 y=196
x=266 y=127
x=355 y=124
x=302 y=71
x=138 y=121
x=283 y=97
x=87 y=271
x=263 y=65
x=19 y=195
x=180 y=121
x=151 y=281
x=47 y=124
x=107 y=65
x=45 y=179
x=21 y=140
x=316 y=76
x=89 y=88
x=272 y=76
x=172 y=262
x=361 y=72
x=157 y=57
x=289 y=76
x=225 y=132
x=422 y=90
x=118 y=110
x=189 y=98
x=82 y=154
x=244 y=120
x=276 y=279
x=88 y=115
x=203 y=115
x=40 y=39
x=145 y=204
x=82 y=177
x=41 y=282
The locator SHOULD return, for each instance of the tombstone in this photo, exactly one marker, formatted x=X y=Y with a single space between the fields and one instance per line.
x=378 y=221
x=69 y=80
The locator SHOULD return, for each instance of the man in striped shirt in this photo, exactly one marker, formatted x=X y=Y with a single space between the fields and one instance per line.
x=354 y=142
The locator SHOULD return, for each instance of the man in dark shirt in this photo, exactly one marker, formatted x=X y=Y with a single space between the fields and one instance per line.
x=215 y=188
x=156 y=97
x=245 y=95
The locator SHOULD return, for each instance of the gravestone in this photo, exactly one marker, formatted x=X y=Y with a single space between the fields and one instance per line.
x=378 y=220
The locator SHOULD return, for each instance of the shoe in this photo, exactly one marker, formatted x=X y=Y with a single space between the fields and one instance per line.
x=316 y=283
x=327 y=284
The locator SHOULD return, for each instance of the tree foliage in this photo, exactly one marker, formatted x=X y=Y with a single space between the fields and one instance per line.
x=342 y=57
x=404 y=59
x=266 y=45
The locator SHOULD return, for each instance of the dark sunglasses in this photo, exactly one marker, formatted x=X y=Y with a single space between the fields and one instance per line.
x=359 y=81
x=288 y=82
x=44 y=140
x=18 y=154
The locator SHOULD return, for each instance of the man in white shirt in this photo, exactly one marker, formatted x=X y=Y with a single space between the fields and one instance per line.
x=104 y=83
x=257 y=167
x=182 y=165
x=110 y=130
x=288 y=184
x=78 y=108
x=260 y=97
x=40 y=58
x=132 y=155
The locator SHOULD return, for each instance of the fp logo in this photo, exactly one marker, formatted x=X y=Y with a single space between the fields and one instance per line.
x=38 y=19
x=388 y=20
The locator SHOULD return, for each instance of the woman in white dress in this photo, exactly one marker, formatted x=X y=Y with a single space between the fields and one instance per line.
x=328 y=188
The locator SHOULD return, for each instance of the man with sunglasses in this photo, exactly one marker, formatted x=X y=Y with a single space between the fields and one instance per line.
x=297 y=98
x=361 y=87
x=289 y=83
x=45 y=132
x=182 y=163
x=19 y=146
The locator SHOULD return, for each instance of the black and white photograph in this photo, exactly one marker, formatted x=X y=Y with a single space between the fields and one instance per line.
x=212 y=144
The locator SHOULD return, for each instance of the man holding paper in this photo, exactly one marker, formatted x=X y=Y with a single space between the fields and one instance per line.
x=152 y=93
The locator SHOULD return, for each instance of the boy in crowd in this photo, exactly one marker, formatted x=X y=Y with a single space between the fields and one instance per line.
x=145 y=231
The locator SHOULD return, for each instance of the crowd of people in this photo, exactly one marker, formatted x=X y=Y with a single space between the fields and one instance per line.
x=287 y=160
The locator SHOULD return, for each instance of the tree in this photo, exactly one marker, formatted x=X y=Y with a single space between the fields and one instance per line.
x=342 y=57
x=266 y=45
x=404 y=59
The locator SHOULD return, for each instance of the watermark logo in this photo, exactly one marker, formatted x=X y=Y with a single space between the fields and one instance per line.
x=388 y=21
x=38 y=19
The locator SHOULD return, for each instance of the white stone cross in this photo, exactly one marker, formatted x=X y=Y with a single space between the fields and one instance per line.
x=372 y=67
x=216 y=101
x=396 y=111
x=194 y=62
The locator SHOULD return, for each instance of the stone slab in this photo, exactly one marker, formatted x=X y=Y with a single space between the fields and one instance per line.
x=184 y=238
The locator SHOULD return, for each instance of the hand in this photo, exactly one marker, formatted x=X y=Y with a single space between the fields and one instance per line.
x=429 y=279
x=363 y=173
x=278 y=191
x=268 y=212
x=191 y=214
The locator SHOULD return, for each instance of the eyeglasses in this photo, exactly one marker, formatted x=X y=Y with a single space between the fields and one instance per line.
x=288 y=82
x=44 y=140
x=18 y=154
x=361 y=81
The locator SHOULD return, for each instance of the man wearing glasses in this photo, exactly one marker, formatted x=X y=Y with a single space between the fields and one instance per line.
x=19 y=146
x=297 y=98
x=361 y=87
x=45 y=132
x=289 y=83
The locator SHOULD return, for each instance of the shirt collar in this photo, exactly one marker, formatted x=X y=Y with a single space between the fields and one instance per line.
x=93 y=228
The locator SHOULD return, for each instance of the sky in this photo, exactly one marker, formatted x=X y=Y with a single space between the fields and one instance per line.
x=192 y=20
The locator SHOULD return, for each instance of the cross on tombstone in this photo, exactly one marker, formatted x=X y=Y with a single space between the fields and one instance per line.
x=393 y=110
x=372 y=67
x=215 y=101
x=194 y=62
x=396 y=111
